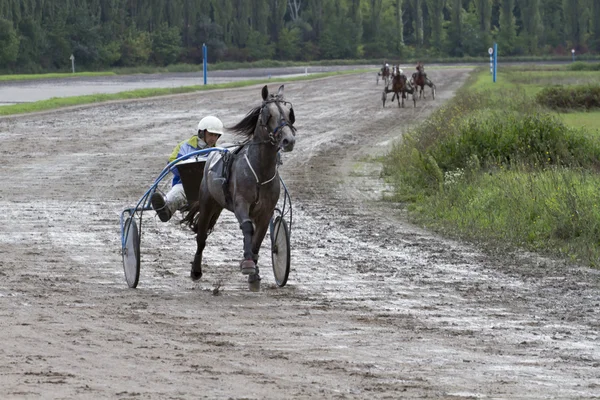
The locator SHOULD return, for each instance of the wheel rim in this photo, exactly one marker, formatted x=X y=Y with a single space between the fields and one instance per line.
x=280 y=251
x=131 y=252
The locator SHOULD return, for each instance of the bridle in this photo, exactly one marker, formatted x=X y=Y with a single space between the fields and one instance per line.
x=275 y=134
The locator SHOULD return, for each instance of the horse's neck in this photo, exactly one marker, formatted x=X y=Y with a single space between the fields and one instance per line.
x=262 y=155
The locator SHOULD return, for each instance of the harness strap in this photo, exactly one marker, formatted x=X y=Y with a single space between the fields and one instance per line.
x=254 y=172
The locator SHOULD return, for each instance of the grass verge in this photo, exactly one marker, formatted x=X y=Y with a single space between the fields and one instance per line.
x=5 y=78
x=55 y=103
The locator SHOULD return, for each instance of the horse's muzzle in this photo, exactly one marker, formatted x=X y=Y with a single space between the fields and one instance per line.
x=288 y=141
x=287 y=144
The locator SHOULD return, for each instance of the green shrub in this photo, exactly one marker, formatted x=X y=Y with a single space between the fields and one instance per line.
x=570 y=97
x=454 y=139
x=583 y=66
x=509 y=138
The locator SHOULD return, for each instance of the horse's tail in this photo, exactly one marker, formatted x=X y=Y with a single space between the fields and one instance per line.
x=191 y=218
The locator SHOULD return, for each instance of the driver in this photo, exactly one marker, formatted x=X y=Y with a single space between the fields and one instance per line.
x=210 y=129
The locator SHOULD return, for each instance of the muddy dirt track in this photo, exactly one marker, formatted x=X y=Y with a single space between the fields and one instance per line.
x=375 y=307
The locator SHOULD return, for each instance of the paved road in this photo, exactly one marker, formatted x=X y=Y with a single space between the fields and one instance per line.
x=14 y=92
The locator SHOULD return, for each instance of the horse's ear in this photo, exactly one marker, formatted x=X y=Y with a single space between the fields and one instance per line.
x=265 y=92
x=280 y=92
x=292 y=116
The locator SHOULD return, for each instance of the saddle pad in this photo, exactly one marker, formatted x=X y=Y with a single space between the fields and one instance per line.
x=215 y=156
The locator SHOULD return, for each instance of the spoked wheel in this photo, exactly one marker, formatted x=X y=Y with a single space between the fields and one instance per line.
x=131 y=252
x=280 y=250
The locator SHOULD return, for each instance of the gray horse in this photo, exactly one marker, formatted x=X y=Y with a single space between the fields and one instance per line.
x=246 y=181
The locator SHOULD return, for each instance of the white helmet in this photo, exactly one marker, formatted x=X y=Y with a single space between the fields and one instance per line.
x=211 y=124
x=387 y=65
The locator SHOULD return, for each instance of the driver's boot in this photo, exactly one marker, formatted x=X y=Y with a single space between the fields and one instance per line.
x=159 y=204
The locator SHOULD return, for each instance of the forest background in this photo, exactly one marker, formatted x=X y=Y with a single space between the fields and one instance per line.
x=41 y=35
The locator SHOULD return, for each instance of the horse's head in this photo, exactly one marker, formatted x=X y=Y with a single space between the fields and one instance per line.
x=277 y=118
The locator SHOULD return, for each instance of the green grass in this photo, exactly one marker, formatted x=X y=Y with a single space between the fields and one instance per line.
x=55 y=103
x=547 y=78
x=533 y=78
x=555 y=211
x=586 y=120
x=494 y=166
x=53 y=76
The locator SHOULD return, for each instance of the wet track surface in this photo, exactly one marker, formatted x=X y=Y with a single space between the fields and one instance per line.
x=375 y=307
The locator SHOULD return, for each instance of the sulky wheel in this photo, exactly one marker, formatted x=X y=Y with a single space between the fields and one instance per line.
x=280 y=250
x=131 y=252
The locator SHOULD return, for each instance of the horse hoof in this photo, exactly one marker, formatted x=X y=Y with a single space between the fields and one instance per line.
x=248 y=267
x=254 y=282
x=195 y=275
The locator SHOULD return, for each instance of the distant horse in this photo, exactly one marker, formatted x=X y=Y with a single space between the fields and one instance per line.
x=247 y=182
x=420 y=79
x=400 y=87
x=384 y=73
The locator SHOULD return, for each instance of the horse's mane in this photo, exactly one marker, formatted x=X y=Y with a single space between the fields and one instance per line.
x=247 y=125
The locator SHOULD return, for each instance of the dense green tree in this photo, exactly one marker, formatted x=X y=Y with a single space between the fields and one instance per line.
x=103 y=33
x=553 y=22
x=474 y=41
x=454 y=42
x=577 y=15
x=508 y=32
x=418 y=9
x=596 y=25
x=135 y=48
x=259 y=47
x=532 y=25
x=276 y=22
x=166 y=44
x=436 y=20
x=9 y=43
x=288 y=45
x=399 y=25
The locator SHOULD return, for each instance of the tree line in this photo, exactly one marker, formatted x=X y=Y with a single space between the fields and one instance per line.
x=40 y=35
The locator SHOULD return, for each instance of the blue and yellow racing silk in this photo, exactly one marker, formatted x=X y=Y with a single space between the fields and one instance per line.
x=186 y=147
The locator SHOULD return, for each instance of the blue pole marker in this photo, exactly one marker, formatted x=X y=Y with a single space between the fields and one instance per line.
x=495 y=60
x=204 y=61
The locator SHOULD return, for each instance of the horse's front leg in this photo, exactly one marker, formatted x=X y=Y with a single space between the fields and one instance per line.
x=242 y=213
x=260 y=232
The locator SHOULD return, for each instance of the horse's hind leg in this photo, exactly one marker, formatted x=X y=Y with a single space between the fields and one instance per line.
x=206 y=220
